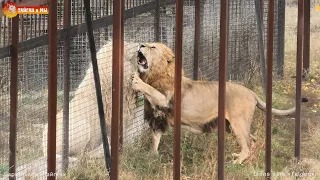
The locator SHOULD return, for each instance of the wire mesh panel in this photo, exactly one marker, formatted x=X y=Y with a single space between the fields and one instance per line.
x=243 y=54
x=4 y=114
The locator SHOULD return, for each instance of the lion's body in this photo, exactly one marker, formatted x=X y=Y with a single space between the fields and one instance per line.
x=84 y=124
x=199 y=99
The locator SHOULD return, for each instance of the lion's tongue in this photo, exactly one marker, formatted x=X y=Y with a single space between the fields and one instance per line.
x=143 y=61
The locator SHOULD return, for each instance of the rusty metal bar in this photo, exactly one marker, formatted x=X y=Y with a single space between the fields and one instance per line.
x=66 y=85
x=196 y=40
x=157 y=22
x=93 y=52
x=13 y=96
x=117 y=63
x=52 y=88
x=223 y=57
x=299 y=78
x=177 y=89
x=306 y=39
x=269 y=87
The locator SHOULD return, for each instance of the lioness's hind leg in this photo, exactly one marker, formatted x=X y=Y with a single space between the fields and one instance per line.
x=242 y=135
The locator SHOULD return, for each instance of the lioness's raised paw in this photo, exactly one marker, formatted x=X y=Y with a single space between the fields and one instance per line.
x=137 y=83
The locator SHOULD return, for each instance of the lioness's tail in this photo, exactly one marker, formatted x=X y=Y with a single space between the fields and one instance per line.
x=262 y=105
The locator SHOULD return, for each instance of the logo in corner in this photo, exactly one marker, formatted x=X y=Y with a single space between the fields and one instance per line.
x=10 y=9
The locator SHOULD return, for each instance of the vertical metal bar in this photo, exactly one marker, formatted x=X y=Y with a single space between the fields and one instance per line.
x=9 y=30
x=66 y=85
x=196 y=40
x=36 y=22
x=31 y=25
x=117 y=61
x=60 y=14
x=121 y=79
x=27 y=25
x=306 y=39
x=261 y=45
x=95 y=9
x=4 y=31
x=13 y=96
x=269 y=87
x=52 y=88
x=43 y=23
x=177 y=89
x=39 y=23
x=223 y=57
x=1 y=28
x=299 y=78
x=262 y=9
x=97 y=85
x=73 y=17
x=157 y=22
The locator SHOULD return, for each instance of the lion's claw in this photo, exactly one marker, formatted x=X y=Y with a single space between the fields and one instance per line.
x=136 y=82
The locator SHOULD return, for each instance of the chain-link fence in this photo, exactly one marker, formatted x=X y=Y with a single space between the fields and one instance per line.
x=142 y=24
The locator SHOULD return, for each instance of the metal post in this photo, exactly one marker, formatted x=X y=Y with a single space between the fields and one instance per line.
x=223 y=57
x=117 y=63
x=299 y=78
x=196 y=40
x=13 y=96
x=97 y=85
x=269 y=87
x=52 y=88
x=306 y=39
x=177 y=89
x=66 y=85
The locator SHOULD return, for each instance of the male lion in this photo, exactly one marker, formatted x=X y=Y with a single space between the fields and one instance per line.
x=199 y=102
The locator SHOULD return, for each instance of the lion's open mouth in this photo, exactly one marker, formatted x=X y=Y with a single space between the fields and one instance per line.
x=142 y=60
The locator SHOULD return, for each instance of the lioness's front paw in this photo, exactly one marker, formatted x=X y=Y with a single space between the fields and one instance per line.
x=137 y=83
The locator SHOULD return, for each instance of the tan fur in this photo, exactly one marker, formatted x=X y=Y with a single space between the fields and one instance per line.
x=199 y=98
x=84 y=124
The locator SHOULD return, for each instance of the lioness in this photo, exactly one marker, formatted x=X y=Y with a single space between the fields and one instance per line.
x=199 y=102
